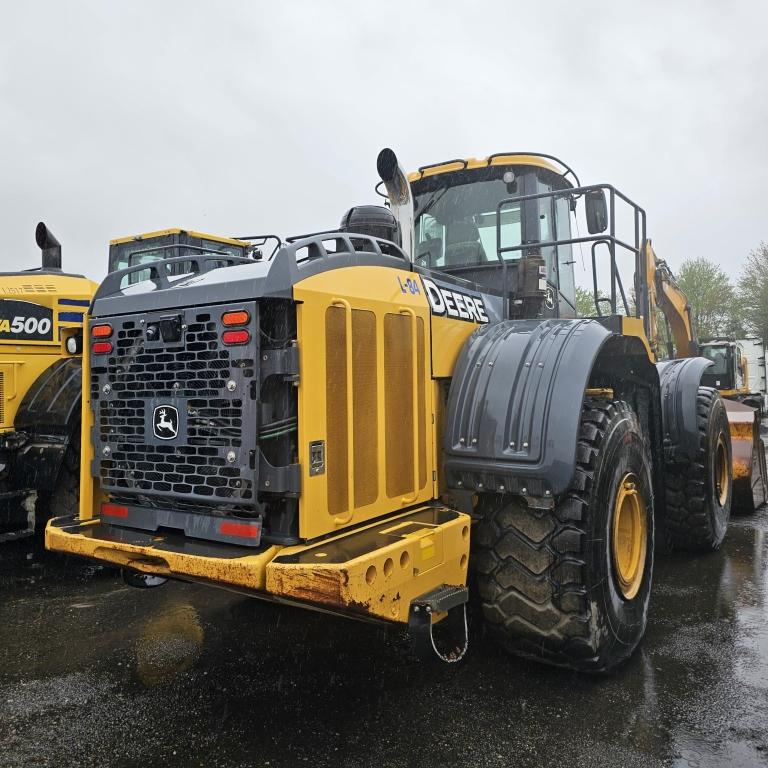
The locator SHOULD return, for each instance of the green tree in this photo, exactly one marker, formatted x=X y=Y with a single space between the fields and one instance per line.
x=753 y=291
x=585 y=302
x=713 y=299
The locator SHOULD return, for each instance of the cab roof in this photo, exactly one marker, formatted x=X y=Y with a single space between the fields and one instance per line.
x=548 y=162
x=178 y=231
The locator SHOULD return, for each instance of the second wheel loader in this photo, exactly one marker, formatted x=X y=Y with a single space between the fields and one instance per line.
x=301 y=428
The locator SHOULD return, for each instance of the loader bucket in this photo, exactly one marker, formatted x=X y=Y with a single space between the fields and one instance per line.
x=748 y=456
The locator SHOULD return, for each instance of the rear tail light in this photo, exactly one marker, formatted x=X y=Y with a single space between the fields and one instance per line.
x=101 y=331
x=114 y=510
x=241 y=530
x=101 y=347
x=235 y=337
x=240 y=317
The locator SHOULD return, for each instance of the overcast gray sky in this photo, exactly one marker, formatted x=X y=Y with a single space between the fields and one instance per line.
x=239 y=117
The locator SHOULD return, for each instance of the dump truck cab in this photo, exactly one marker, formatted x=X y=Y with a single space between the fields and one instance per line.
x=300 y=427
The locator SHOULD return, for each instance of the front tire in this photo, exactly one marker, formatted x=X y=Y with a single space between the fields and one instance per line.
x=570 y=586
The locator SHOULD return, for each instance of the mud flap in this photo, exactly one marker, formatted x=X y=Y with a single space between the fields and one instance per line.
x=444 y=598
x=750 y=485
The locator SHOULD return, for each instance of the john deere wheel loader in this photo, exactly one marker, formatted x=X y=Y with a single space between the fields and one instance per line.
x=41 y=333
x=297 y=428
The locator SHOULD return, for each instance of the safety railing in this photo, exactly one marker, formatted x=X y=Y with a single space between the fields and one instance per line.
x=606 y=237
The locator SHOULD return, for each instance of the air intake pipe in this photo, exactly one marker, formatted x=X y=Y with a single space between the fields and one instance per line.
x=50 y=247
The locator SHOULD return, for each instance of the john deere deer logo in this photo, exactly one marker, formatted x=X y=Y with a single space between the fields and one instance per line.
x=165 y=422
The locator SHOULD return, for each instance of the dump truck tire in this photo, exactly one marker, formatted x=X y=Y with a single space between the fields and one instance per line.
x=65 y=499
x=698 y=491
x=570 y=586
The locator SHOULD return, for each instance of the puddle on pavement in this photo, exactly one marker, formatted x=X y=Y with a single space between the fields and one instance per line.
x=141 y=665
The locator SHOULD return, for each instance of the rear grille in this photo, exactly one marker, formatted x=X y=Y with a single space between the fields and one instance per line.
x=211 y=460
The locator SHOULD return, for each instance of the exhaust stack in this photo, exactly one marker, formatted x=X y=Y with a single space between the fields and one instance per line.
x=50 y=247
x=399 y=193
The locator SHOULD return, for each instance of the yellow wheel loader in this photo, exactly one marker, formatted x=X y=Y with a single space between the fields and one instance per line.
x=726 y=372
x=359 y=421
x=41 y=341
x=729 y=374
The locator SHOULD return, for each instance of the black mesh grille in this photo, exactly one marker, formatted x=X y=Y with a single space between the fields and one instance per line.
x=211 y=458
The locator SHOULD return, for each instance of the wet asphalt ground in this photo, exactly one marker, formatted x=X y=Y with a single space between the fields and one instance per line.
x=94 y=673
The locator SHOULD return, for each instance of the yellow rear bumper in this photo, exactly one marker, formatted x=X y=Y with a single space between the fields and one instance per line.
x=374 y=571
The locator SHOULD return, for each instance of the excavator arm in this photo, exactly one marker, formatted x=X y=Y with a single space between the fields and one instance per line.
x=666 y=295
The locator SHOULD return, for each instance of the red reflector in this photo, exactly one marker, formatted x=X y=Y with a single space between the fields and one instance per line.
x=243 y=530
x=114 y=510
x=235 y=337
x=240 y=317
x=101 y=331
x=101 y=347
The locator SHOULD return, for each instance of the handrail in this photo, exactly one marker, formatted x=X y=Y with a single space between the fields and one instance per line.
x=205 y=262
x=606 y=237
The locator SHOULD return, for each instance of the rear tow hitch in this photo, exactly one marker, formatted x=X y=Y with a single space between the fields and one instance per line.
x=442 y=599
x=142 y=580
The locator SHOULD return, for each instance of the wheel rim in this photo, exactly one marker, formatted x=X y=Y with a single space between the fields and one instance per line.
x=630 y=531
x=721 y=471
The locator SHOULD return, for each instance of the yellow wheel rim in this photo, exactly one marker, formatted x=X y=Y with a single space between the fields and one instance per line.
x=630 y=533
x=721 y=471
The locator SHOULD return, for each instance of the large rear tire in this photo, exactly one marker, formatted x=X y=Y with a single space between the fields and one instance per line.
x=570 y=586
x=699 y=492
x=65 y=498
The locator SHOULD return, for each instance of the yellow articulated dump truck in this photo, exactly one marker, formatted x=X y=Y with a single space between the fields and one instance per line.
x=41 y=341
x=301 y=427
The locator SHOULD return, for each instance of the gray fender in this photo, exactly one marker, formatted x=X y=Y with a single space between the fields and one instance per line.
x=514 y=405
x=679 y=381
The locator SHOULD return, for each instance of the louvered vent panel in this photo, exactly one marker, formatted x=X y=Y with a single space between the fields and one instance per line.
x=365 y=432
x=336 y=409
x=398 y=403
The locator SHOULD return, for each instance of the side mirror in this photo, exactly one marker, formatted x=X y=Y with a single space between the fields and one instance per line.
x=597 y=211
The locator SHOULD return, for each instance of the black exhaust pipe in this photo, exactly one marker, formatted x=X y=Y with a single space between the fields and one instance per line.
x=50 y=247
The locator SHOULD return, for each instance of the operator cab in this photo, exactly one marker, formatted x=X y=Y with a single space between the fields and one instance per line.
x=168 y=244
x=726 y=371
x=463 y=227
